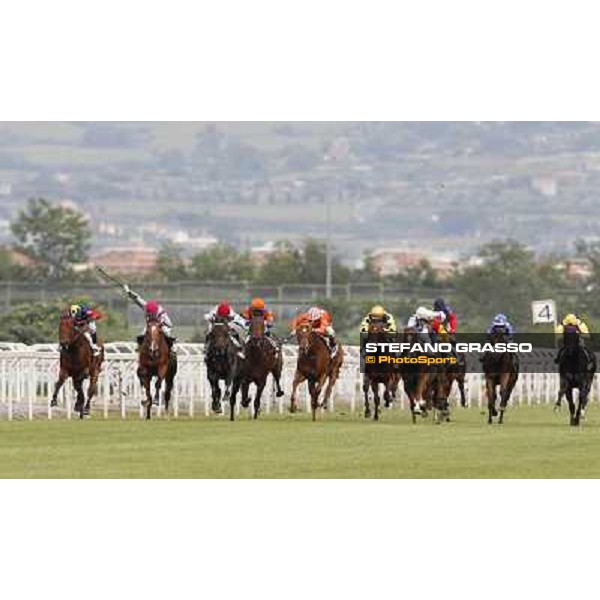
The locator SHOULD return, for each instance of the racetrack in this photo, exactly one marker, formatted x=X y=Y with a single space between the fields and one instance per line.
x=534 y=442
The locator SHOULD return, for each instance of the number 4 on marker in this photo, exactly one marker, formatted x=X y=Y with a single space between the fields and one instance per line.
x=545 y=313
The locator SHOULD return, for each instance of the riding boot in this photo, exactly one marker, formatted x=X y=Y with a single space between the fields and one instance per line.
x=333 y=346
x=94 y=347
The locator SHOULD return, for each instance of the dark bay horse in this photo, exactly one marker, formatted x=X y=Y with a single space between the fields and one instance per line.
x=156 y=361
x=501 y=370
x=417 y=377
x=78 y=363
x=262 y=357
x=373 y=380
x=577 y=369
x=222 y=363
x=316 y=366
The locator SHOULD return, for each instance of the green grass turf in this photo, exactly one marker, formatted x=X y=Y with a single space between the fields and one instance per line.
x=533 y=443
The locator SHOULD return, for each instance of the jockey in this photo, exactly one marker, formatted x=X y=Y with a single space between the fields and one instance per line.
x=237 y=324
x=572 y=323
x=224 y=312
x=259 y=306
x=450 y=323
x=378 y=314
x=154 y=312
x=85 y=319
x=501 y=324
x=423 y=319
x=321 y=323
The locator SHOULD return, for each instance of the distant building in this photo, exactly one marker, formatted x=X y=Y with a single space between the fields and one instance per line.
x=577 y=269
x=394 y=261
x=128 y=261
x=260 y=254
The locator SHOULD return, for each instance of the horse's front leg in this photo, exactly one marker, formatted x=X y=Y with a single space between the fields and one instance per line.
x=62 y=378
x=571 y=403
x=376 y=399
x=491 y=398
x=216 y=394
x=299 y=379
x=259 y=392
x=366 y=388
x=80 y=404
x=235 y=388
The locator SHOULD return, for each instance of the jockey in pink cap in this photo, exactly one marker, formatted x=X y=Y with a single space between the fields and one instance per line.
x=154 y=312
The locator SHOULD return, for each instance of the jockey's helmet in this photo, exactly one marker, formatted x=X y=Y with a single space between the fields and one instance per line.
x=152 y=308
x=258 y=304
x=314 y=314
x=75 y=311
x=440 y=305
x=223 y=310
x=500 y=320
x=422 y=313
x=377 y=312
x=570 y=320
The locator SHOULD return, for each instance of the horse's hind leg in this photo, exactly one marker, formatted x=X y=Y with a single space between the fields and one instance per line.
x=461 y=388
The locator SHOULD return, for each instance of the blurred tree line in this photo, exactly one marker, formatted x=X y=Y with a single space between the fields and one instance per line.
x=506 y=278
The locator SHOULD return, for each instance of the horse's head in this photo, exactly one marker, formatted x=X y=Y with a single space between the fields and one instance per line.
x=220 y=335
x=304 y=333
x=410 y=335
x=153 y=338
x=498 y=335
x=257 y=324
x=66 y=331
x=571 y=339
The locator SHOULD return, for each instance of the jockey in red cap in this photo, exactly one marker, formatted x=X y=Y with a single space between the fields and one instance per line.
x=224 y=312
x=154 y=311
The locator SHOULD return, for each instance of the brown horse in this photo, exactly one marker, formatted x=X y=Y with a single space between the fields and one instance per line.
x=262 y=357
x=78 y=363
x=372 y=381
x=316 y=366
x=156 y=360
x=501 y=371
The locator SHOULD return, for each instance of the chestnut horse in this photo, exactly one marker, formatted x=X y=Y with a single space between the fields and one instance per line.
x=418 y=378
x=316 y=366
x=372 y=381
x=262 y=357
x=78 y=363
x=156 y=360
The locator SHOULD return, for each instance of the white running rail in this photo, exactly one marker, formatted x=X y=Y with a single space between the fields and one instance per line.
x=28 y=374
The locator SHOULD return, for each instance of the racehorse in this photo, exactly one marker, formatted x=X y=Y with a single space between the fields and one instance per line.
x=156 y=361
x=222 y=363
x=444 y=375
x=417 y=377
x=262 y=357
x=501 y=370
x=316 y=366
x=78 y=363
x=373 y=380
x=577 y=369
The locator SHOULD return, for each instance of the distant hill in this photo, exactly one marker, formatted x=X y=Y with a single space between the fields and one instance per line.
x=446 y=186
